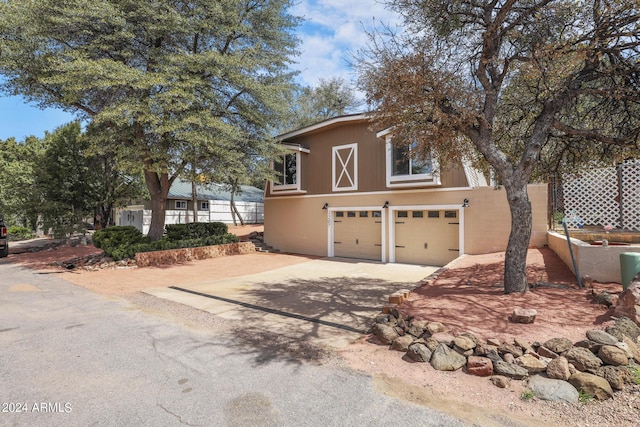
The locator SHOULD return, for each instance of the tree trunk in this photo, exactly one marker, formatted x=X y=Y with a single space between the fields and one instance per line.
x=515 y=260
x=194 y=200
x=235 y=208
x=232 y=206
x=158 y=185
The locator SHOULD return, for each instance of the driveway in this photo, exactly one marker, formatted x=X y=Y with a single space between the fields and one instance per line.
x=327 y=301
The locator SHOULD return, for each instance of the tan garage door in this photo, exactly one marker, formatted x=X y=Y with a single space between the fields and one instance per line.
x=357 y=234
x=428 y=237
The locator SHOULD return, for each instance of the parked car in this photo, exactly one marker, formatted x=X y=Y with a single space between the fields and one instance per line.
x=4 y=240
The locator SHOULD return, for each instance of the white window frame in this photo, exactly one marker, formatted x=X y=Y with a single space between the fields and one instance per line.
x=419 y=180
x=202 y=205
x=179 y=203
x=290 y=188
x=343 y=167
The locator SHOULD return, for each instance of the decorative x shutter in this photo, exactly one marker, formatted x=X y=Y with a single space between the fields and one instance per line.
x=345 y=167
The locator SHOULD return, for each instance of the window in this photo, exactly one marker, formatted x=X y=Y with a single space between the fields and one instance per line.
x=417 y=214
x=204 y=206
x=450 y=214
x=404 y=162
x=433 y=214
x=364 y=214
x=339 y=214
x=344 y=167
x=181 y=204
x=351 y=214
x=403 y=214
x=287 y=169
x=376 y=214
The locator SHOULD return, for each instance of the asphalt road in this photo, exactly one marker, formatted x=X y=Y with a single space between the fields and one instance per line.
x=71 y=357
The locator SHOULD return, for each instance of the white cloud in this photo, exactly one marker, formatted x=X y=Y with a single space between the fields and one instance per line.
x=333 y=30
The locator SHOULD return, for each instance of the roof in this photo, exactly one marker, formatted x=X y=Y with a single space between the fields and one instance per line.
x=325 y=124
x=182 y=190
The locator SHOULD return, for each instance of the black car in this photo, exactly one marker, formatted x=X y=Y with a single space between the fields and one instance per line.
x=4 y=241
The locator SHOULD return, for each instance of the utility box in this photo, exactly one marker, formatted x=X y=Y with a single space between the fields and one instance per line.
x=629 y=267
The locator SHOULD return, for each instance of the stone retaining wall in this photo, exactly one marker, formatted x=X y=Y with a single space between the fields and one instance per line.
x=175 y=256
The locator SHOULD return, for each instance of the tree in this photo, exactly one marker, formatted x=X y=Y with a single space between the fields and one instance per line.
x=169 y=78
x=526 y=84
x=332 y=97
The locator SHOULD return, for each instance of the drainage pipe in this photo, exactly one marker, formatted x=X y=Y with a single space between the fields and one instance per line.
x=573 y=258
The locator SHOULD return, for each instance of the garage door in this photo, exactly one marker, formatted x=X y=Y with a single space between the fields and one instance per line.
x=428 y=237
x=357 y=234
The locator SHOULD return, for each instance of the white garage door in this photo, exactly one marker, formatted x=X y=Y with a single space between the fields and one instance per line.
x=428 y=237
x=357 y=234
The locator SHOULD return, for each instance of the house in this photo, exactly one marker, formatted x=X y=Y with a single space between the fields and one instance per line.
x=345 y=190
x=214 y=204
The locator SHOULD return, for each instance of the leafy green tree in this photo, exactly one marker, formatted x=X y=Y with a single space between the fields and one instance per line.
x=332 y=97
x=169 y=78
x=526 y=84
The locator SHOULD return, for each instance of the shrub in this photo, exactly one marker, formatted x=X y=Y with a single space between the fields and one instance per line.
x=17 y=232
x=195 y=230
x=116 y=241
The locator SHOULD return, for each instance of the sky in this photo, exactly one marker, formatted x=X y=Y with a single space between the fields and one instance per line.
x=332 y=31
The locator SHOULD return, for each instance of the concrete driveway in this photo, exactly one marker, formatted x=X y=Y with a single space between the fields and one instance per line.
x=327 y=301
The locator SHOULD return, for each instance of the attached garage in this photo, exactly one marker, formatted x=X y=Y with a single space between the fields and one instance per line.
x=425 y=235
x=357 y=234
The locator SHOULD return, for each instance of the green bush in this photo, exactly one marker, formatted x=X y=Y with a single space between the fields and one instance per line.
x=115 y=241
x=195 y=230
x=17 y=232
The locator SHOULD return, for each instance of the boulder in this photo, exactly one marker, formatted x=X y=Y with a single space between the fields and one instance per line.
x=629 y=303
x=434 y=327
x=444 y=338
x=634 y=349
x=417 y=328
x=592 y=346
x=505 y=348
x=464 y=343
x=419 y=352
x=509 y=358
x=612 y=355
x=482 y=349
x=601 y=337
x=525 y=345
x=523 y=315
x=558 y=369
x=583 y=359
x=500 y=381
x=445 y=358
x=616 y=376
x=624 y=327
x=553 y=389
x=493 y=356
x=385 y=333
x=545 y=352
x=402 y=343
x=431 y=343
x=558 y=345
x=592 y=385
x=479 y=366
x=472 y=337
x=494 y=342
x=510 y=370
x=531 y=363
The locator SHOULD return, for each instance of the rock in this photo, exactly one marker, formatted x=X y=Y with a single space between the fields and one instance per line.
x=446 y=359
x=634 y=349
x=509 y=358
x=500 y=381
x=612 y=355
x=604 y=298
x=494 y=356
x=444 y=338
x=583 y=359
x=592 y=385
x=434 y=327
x=625 y=327
x=417 y=328
x=629 y=303
x=419 y=352
x=399 y=330
x=616 y=376
x=510 y=348
x=558 y=345
x=472 y=337
x=384 y=319
x=494 y=342
x=553 y=389
x=523 y=344
x=531 y=364
x=464 y=343
x=558 y=369
x=386 y=334
x=431 y=343
x=545 y=352
x=601 y=337
x=402 y=343
x=482 y=349
x=510 y=370
x=592 y=346
x=479 y=366
x=523 y=315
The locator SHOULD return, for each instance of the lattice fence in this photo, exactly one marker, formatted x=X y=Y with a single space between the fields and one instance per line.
x=603 y=196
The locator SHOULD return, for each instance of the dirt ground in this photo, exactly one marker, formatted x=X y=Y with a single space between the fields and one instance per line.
x=467 y=296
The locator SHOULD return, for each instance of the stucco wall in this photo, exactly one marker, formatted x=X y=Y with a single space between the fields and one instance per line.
x=600 y=263
x=300 y=225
